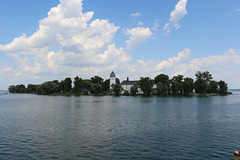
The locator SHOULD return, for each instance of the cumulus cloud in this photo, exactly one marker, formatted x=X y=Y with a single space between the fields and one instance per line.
x=84 y=44
x=135 y=14
x=184 y=55
x=138 y=36
x=176 y=15
x=172 y=66
x=221 y=66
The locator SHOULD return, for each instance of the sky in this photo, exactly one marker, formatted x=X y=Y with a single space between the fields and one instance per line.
x=46 y=40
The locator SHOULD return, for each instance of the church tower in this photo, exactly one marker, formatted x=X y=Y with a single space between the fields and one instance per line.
x=112 y=79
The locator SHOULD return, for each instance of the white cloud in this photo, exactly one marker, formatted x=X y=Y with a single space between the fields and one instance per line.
x=222 y=66
x=140 y=23
x=135 y=14
x=83 y=42
x=176 y=15
x=3 y=70
x=184 y=55
x=138 y=36
x=172 y=66
x=156 y=26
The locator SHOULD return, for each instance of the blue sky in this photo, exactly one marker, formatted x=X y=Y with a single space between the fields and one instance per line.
x=47 y=40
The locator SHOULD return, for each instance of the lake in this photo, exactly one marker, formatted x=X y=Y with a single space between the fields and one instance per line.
x=107 y=127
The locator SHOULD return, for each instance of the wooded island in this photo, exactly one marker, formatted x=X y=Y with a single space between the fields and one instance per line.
x=160 y=85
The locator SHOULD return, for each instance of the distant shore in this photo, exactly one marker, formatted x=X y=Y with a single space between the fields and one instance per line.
x=112 y=94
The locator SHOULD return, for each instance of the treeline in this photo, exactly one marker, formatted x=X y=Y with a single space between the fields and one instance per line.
x=160 y=85
x=95 y=85
x=179 y=85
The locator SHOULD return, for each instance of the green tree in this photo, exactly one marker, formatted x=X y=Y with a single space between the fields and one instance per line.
x=117 y=81
x=97 y=79
x=67 y=85
x=97 y=88
x=213 y=87
x=39 y=89
x=160 y=88
x=48 y=87
x=116 y=89
x=106 y=85
x=20 y=88
x=31 y=88
x=163 y=78
x=162 y=82
x=134 y=89
x=177 y=85
x=87 y=84
x=12 y=89
x=202 y=82
x=223 y=88
x=188 y=85
x=146 y=85
x=77 y=84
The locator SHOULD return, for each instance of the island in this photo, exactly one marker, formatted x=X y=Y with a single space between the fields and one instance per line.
x=161 y=85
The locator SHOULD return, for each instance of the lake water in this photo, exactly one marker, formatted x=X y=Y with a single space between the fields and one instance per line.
x=108 y=127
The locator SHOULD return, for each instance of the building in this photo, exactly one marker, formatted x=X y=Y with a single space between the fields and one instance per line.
x=112 y=79
x=126 y=85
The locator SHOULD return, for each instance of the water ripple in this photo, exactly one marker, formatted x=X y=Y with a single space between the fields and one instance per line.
x=48 y=127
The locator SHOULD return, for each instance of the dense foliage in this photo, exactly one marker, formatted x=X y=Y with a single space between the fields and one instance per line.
x=146 y=85
x=116 y=89
x=160 y=85
x=134 y=89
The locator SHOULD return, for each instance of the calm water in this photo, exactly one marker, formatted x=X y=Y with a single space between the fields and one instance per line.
x=55 y=127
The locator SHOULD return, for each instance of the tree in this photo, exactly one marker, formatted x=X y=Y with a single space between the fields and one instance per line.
x=163 y=83
x=134 y=89
x=77 y=85
x=31 y=88
x=202 y=82
x=67 y=85
x=213 y=87
x=12 y=89
x=97 y=79
x=223 y=88
x=20 y=88
x=48 y=87
x=160 y=88
x=146 y=85
x=163 y=78
x=117 y=81
x=39 y=89
x=116 y=89
x=188 y=85
x=86 y=84
x=106 y=85
x=177 y=85
x=97 y=88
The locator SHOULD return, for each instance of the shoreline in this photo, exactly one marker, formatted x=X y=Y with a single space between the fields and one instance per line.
x=68 y=94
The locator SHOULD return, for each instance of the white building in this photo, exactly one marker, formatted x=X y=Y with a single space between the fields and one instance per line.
x=126 y=86
x=112 y=79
